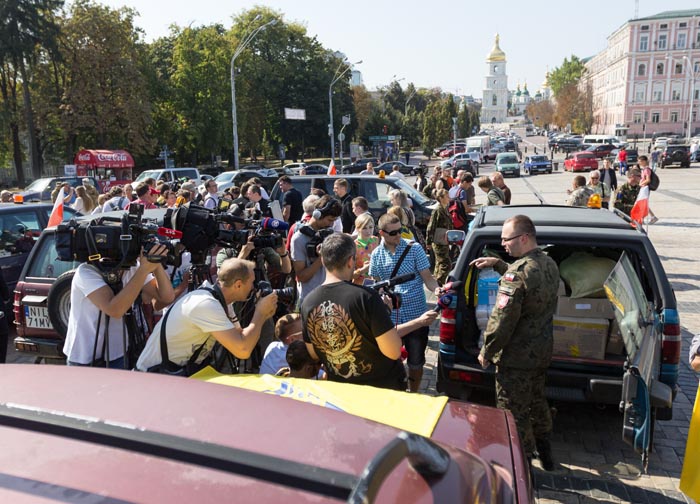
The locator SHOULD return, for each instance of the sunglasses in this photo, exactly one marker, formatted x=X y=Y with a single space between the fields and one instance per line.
x=391 y=233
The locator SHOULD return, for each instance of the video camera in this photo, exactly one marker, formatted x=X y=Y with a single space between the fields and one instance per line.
x=385 y=287
x=201 y=230
x=317 y=237
x=116 y=242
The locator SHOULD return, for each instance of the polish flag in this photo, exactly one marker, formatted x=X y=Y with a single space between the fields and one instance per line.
x=331 y=168
x=641 y=205
x=57 y=212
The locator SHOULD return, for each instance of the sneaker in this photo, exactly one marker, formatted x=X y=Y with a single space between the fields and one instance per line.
x=653 y=220
x=544 y=453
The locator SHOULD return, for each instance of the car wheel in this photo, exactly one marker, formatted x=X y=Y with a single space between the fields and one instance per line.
x=58 y=302
x=549 y=172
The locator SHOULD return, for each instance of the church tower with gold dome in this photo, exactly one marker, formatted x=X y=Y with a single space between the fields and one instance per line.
x=494 y=108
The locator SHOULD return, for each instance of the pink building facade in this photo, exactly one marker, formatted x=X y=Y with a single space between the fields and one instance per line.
x=645 y=80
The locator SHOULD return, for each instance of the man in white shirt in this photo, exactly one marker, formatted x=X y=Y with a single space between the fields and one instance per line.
x=198 y=320
x=92 y=300
x=396 y=172
x=211 y=198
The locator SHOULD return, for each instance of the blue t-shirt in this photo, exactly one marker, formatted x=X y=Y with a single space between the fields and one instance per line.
x=382 y=263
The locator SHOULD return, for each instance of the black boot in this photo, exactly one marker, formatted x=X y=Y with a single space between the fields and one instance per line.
x=544 y=453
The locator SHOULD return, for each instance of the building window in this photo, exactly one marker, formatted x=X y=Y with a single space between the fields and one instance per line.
x=674 y=116
x=662 y=42
x=642 y=70
x=696 y=67
x=637 y=117
x=658 y=93
x=645 y=27
x=676 y=94
x=682 y=25
x=659 y=69
x=680 y=43
x=697 y=94
x=663 y=27
x=644 y=43
x=655 y=116
x=639 y=93
x=494 y=101
x=679 y=68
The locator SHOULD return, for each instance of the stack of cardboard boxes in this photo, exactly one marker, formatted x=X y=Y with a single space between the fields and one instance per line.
x=585 y=327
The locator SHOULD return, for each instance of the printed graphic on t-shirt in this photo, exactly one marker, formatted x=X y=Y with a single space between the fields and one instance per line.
x=334 y=334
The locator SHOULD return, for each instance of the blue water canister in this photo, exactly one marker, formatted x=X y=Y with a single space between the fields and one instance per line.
x=488 y=286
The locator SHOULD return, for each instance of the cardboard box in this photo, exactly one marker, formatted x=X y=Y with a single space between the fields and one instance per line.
x=583 y=338
x=562 y=288
x=585 y=308
x=616 y=346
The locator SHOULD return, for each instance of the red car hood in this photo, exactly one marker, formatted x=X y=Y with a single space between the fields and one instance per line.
x=39 y=467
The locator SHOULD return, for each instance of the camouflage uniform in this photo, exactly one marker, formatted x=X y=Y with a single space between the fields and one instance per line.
x=518 y=340
x=440 y=219
x=626 y=197
x=579 y=197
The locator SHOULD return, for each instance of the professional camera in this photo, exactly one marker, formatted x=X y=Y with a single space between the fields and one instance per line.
x=115 y=241
x=286 y=295
x=385 y=287
x=317 y=237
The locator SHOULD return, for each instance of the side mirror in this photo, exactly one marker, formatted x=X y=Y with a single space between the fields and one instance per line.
x=455 y=236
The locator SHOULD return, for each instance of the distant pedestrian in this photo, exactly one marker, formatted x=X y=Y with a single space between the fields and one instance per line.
x=627 y=195
x=408 y=156
x=440 y=222
x=494 y=196
x=622 y=159
x=599 y=188
x=499 y=181
x=608 y=176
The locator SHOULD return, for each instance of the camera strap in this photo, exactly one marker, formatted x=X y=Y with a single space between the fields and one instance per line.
x=403 y=256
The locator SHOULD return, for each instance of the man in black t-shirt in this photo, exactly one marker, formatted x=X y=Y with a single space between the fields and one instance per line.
x=347 y=217
x=348 y=327
x=291 y=200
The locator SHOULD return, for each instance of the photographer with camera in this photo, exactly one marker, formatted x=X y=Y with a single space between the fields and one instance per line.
x=91 y=337
x=396 y=256
x=304 y=246
x=199 y=319
x=349 y=328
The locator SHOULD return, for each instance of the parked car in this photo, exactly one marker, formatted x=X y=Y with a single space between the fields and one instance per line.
x=223 y=181
x=316 y=169
x=295 y=167
x=507 y=163
x=466 y=165
x=404 y=168
x=373 y=188
x=632 y=157
x=41 y=189
x=20 y=226
x=676 y=154
x=601 y=150
x=509 y=146
x=537 y=164
x=581 y=161
x=268 y=177
x=103 y=435
x=660 y=142
x=452 y=150
x=628 y=354
x=170 y=175
x=474 y=156
x=492 y=153
x=358 y=165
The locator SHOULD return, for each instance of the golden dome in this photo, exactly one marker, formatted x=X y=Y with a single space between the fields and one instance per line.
x=496 y=53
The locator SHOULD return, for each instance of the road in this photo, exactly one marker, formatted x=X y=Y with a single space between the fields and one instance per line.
x=596 y=465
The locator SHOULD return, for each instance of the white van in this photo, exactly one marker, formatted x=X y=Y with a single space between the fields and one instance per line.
x=170 y=174
x=600 y=139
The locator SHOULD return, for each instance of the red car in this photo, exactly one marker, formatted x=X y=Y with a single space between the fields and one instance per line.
x=87 y=434
x=451 y=151
x=581 y=161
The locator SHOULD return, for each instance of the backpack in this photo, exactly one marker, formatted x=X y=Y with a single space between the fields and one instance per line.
x=457 y=213
x=654 y=181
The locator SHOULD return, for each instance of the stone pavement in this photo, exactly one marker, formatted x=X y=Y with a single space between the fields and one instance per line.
x=596 y=465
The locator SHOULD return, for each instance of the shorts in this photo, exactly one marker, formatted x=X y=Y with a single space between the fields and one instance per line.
x=415 y=343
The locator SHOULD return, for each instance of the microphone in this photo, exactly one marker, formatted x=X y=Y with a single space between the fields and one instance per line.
x=169 y=233
x=274 y=224
x=446 y=298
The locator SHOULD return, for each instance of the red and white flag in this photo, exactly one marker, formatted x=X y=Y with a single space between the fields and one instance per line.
x=641 y=205
x=57 y=212
x=331 y=168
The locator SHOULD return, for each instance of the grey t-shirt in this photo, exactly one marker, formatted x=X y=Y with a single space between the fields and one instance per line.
x=298 y=251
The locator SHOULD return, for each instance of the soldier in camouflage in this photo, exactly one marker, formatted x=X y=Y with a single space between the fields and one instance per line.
x=579 y=194
x=629 y=191
x=518 y=337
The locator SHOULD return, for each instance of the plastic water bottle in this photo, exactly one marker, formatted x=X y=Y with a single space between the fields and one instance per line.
x=488 y=286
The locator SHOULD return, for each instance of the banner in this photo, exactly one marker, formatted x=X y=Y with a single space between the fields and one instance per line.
x=690 y=477
x=415 y=413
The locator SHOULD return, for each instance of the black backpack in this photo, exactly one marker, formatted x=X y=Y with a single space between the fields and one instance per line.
x=654 y=181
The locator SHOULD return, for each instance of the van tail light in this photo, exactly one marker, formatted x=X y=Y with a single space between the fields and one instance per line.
x=17 y=309
x=448 y=327
x=671 y=338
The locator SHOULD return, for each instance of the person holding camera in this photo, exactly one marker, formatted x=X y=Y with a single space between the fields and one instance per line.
x=349 y=328
x=396 y=256
x=307 y=263
x=96 y=329
x=183 y=339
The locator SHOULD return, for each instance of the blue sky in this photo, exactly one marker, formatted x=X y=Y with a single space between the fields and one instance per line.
x=435 y=43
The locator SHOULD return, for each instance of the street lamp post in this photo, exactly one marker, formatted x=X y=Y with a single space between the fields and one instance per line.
x=336 y=77
x=241 y=47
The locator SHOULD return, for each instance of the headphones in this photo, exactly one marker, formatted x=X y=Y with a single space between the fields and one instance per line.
x=319 y=213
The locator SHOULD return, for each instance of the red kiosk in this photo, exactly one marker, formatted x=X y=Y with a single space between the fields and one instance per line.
x=109 y=167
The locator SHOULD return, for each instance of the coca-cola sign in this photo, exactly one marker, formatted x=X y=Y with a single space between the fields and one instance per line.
x=112 y=156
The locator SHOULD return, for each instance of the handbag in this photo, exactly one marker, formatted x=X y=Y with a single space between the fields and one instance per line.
x=440 y=236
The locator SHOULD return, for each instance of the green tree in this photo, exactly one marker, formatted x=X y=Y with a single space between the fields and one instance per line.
x=570 y=72
x=28 y=29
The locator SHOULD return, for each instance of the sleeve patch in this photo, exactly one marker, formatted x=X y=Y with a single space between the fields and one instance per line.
x=503 y=300
x=506 y=289
x=509 y=277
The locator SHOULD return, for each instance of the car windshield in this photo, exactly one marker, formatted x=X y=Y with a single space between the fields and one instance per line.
x=148 y=173
x=508 y=160
x=538 y=159
x=39 y=185
x=225 y=177
x=411 y=192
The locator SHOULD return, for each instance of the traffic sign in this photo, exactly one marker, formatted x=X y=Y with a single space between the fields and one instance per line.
x=384 y=138
x=341 y=136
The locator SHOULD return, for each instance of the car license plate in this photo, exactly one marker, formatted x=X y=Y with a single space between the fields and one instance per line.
x=37 y=317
